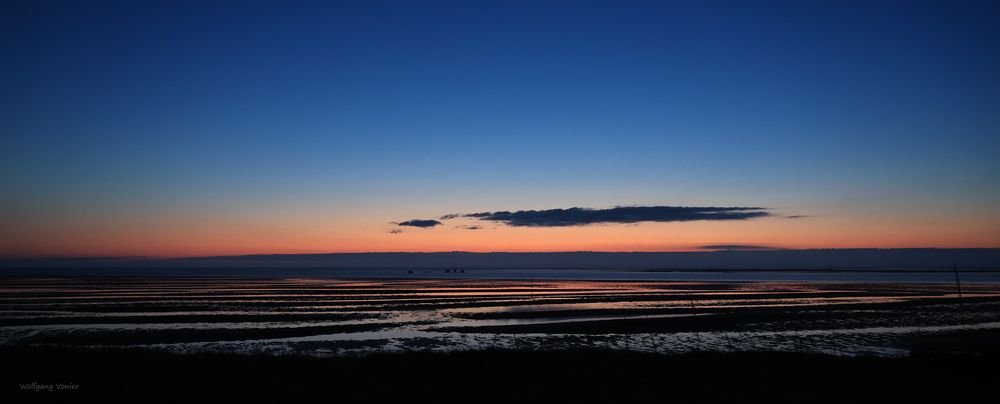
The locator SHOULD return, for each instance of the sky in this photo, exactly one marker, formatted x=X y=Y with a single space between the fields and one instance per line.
x=188 y=128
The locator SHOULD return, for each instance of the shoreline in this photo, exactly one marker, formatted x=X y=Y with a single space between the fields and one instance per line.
x=855 y=276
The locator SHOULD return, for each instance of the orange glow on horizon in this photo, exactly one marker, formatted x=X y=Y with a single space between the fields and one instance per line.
x=186 y=238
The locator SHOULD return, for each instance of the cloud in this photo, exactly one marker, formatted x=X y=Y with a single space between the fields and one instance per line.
x=618 y=214
x=395 y=231
x=798 y=216
x=470 y=227
x=419 y=223
x=737 y=247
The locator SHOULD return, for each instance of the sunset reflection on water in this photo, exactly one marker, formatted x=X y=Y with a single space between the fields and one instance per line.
x=350 y=316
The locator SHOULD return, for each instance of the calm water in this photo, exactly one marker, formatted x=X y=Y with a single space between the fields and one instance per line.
x=801 y=312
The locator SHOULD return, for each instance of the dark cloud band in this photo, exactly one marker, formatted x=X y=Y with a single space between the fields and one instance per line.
x=420 y=223
x=619 y=214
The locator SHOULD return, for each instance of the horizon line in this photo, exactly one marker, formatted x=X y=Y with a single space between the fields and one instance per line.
x=704 y=250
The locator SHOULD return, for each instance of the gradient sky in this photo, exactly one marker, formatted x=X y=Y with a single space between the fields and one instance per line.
x=209 y=128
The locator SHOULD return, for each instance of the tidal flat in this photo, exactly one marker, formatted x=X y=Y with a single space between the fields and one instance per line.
x=324 y=317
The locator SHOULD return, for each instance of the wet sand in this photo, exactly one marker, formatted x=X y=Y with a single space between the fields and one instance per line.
x=329 y=316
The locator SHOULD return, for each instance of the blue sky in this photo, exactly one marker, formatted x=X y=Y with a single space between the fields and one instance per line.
x=390 y=109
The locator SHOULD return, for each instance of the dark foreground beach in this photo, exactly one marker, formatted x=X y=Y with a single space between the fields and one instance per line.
x=503 y=376
x=528 y=340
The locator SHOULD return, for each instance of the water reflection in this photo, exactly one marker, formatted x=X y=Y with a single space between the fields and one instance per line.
x=429 y=314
